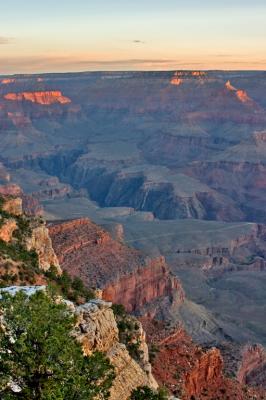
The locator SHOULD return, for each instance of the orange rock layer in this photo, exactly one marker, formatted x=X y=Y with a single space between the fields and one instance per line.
x=188 y=371
x=44 y=98
x=124 y=274
x=7 y=81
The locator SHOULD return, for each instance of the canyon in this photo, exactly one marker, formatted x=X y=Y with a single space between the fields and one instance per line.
x=171 y=165
x=186 y=369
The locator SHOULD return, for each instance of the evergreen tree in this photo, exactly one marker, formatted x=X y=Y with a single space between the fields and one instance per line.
x=145 y=393
x=39 y=359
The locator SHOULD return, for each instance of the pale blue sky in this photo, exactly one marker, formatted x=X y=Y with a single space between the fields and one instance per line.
x=81 y=35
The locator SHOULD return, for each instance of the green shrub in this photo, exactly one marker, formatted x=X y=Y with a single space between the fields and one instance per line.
x=39 y=354
x=145 y=393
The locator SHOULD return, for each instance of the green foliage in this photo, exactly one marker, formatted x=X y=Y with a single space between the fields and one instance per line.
x=145 y=393
x=24 y=228
x=153 y=350
x=38 y=353
x=17 y=252
x=72 y=289
x=2 y=201
x=128 y=331
x=119 y=310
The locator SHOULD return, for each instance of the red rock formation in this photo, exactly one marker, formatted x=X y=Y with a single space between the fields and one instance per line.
x=7 y=229
x=187 y=370
x=44 y=98
x=176 y=81
x=10 y=190
x=125 y=275
x=241 y=95
x=252 y=369
x=198 y=73
x=7 y=81
x=143 y=286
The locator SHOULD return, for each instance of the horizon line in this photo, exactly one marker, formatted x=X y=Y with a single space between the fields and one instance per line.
x=130 y=71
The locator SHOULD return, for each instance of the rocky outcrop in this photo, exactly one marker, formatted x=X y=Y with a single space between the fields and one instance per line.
x=188 y=371
x=176 y=80
x=7 y=81
x=43 y=98
x=97 y=330
x=40 y=241
x=7 y=230
x=31 y=206
x=206 y=372
x=10 y=190
x=124 y=274
x=241 y=95
x=20 y=202
x=13 y=206
x=252 y=368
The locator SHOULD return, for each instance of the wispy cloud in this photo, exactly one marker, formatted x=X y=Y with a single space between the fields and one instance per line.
x=42 y=63
x=5 y=40
x=137 y=41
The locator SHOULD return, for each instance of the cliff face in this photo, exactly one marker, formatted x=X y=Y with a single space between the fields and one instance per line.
x=188 y=371
x=97 y=331
x=7 y=229
x=124 y=274
x=147 y=284
x=31 y=232
x=252 y=368
x=43 y=98
x=40 y=241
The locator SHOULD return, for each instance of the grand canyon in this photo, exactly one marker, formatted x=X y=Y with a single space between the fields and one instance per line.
x=153 y=189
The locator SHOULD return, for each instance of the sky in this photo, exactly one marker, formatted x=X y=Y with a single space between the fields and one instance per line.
x=82 y=35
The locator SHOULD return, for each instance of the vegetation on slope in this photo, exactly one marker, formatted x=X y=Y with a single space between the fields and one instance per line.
x=39 y=357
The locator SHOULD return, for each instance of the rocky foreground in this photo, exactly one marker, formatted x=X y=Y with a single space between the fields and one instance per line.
x=187 y=370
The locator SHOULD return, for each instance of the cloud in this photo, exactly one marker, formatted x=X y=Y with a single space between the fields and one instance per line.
x=42 y=63
x=5 y=40
x=137 y=41
x=134 y=61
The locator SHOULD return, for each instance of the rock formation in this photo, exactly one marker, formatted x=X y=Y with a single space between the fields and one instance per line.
x=7 y=230
x=13 y=206
x=43 y=98
x=252 y=368
x=124 y=274
x=40 y=241
x=188 y=371
x=7 y=81
x=97 y=331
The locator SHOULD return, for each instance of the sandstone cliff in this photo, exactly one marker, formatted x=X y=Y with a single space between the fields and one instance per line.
x=97 y=330
x=30 y=234
x=7 y=229
x=124 y=274
x=40 y=241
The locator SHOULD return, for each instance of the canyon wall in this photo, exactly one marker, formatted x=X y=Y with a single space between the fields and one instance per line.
x=124 y=274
